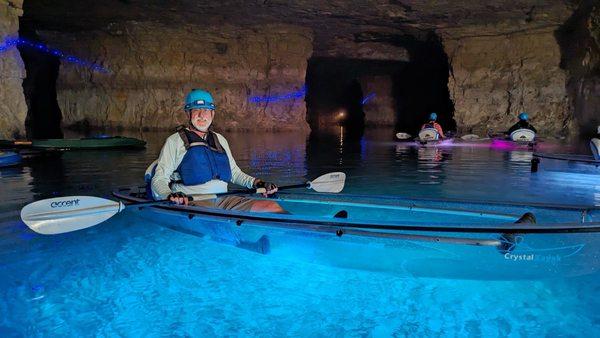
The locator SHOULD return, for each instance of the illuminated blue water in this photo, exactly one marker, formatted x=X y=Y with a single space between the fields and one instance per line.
x=134 y=279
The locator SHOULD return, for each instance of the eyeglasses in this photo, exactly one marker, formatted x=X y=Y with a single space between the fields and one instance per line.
x=201 y=111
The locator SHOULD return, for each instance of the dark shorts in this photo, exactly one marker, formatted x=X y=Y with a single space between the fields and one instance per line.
x=238 y=203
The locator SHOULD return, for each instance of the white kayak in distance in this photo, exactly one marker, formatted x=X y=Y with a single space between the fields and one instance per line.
x=431 y=137
x=518 y=139
x=428 y=135
x=522 y=136
x=402 y=236
x=426 y=140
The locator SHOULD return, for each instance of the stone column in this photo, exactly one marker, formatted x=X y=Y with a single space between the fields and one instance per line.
x=13 y=109
x=494 y=77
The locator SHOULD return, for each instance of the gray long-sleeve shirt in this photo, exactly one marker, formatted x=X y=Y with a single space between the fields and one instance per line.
x=171 y=156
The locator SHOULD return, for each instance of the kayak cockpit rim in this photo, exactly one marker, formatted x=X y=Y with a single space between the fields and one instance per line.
x=278 y=219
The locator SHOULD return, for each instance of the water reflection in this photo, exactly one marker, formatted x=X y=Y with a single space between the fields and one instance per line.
x=373 y=161
x=520 y=156
x=48 y=174
x=274 y=156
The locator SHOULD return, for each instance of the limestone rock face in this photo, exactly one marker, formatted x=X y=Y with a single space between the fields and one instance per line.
x=250 y=72
x=493 y=78
x=13 y=109
x=362 y=47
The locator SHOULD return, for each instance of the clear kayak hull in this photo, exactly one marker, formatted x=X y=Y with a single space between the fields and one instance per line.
x=466 y=243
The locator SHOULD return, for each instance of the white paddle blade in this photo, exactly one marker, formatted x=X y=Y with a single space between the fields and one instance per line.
x=470 y=137
x=332 y=182
x=403 y=136
x=65 y=214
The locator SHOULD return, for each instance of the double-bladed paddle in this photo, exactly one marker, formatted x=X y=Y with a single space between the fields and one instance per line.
x=70 y=213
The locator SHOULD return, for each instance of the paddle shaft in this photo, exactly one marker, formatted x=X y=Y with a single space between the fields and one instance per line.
x=248 y=191
x=263 y=190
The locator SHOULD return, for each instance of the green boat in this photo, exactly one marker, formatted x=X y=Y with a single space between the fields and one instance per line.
x=116 y=142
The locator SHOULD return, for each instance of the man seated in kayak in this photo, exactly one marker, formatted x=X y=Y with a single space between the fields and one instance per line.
x=433 y=124
x=522 y=124
x=203 y=161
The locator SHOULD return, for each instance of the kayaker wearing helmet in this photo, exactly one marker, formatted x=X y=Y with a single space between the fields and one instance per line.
x=203 y=161
x=522 y=124
x=433 y=124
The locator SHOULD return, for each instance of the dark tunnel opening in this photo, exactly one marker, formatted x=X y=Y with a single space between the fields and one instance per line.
x=337 y=94
x=44 y=117
x=334 y=95
x=422 y=86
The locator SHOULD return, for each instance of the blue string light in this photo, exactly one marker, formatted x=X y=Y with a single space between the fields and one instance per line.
x=10 y=42
x=276 y=98
x=368 y=98
x=7 y=44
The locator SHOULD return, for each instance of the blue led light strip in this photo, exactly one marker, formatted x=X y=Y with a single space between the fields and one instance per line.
x=368 y=98
x=276 y=98
x=9 y=43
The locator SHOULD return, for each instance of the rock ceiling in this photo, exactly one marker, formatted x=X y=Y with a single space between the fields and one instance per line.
x=371 y=20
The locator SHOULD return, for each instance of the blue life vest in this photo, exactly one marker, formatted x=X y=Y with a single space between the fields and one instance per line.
x=204 y=160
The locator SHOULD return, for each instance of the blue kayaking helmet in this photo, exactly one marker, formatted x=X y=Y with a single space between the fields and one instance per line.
x=432 y=116
x=523 y=116
x=199 y=99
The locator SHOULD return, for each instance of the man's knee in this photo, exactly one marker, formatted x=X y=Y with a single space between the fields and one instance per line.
x=267 y=206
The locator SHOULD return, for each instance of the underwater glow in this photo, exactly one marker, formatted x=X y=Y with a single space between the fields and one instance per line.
x=129 y=276
x=282 y=97
x=11 y=42
x=368 y=98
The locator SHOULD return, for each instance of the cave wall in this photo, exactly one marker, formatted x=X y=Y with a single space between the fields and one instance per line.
x=13 y=109
x=540 y=57
x=494 y=77
x=579 y=38
x=152 y=66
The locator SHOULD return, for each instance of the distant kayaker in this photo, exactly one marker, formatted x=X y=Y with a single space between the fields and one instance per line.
x=203 y=162
x=522 y=124
x=433 y=124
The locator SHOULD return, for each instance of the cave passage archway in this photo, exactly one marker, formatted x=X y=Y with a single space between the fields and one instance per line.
x=422 y=86
x=356 y=93
x=333 y=93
